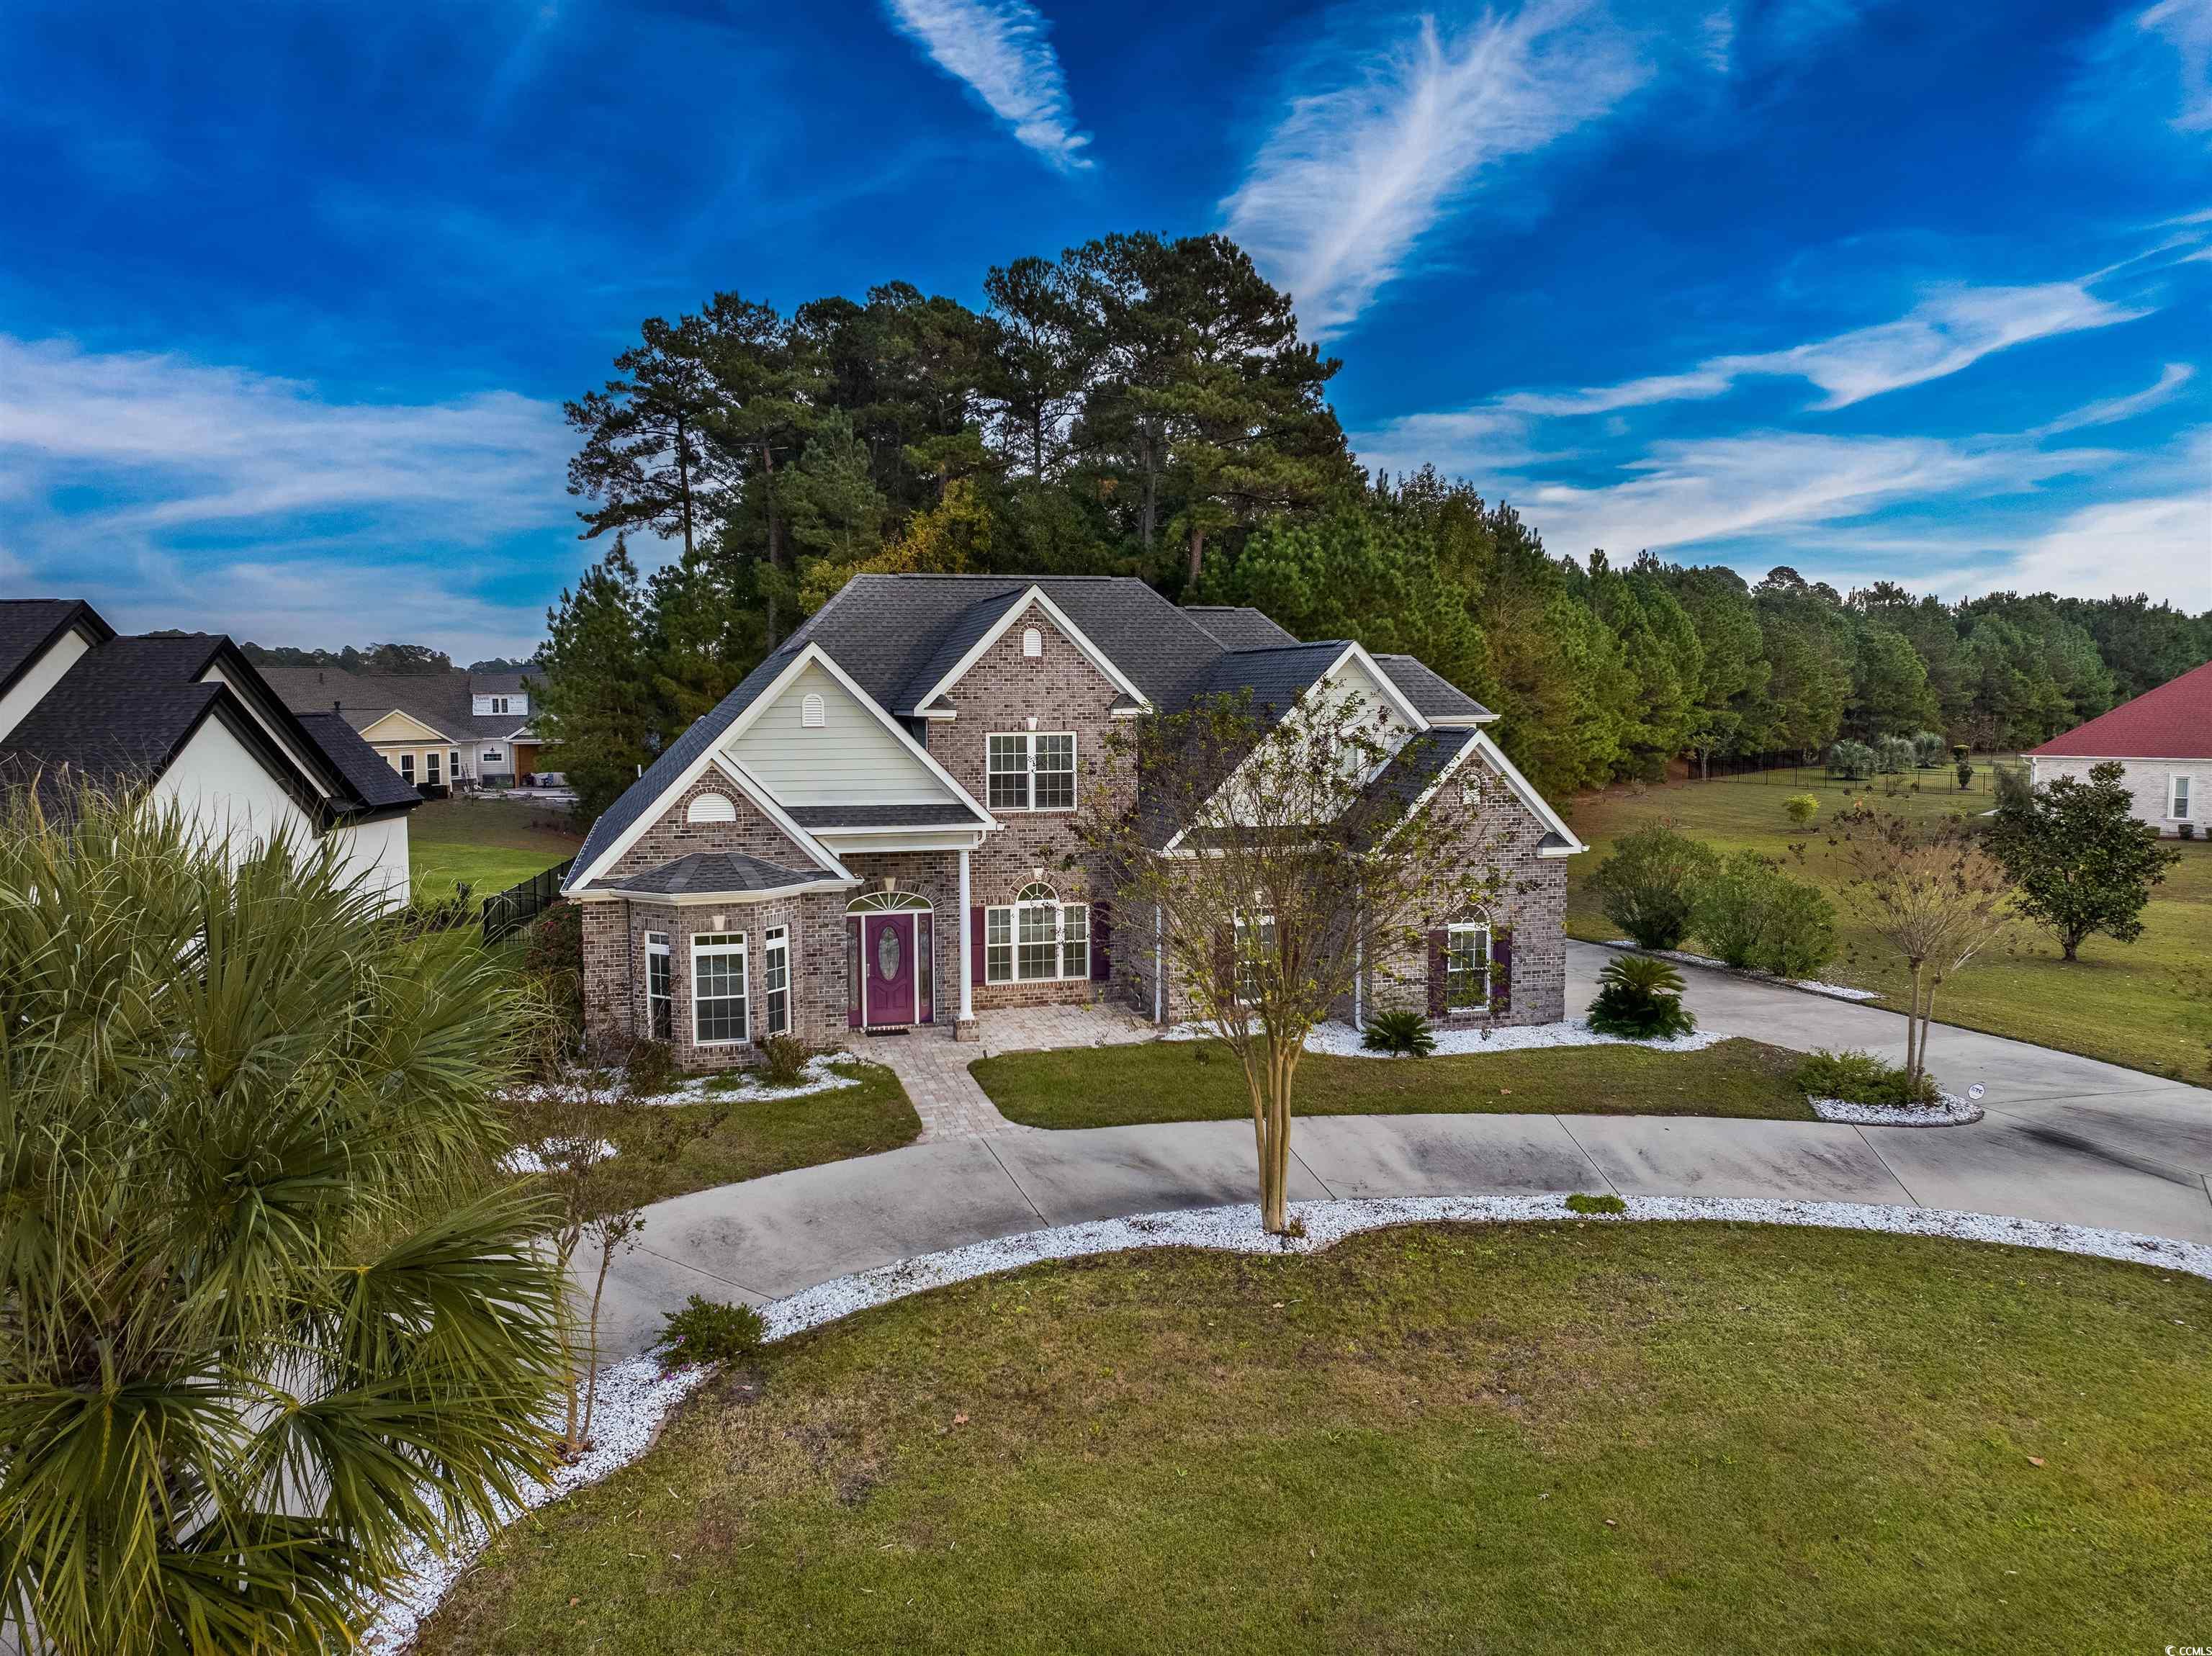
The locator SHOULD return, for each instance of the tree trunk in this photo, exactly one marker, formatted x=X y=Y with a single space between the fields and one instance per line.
x=2069 y=947
x=1196 y=553
x=591 y=1374
x=1912 y=1026
x=683 y=479
x=1146 y=518
x=775 y=537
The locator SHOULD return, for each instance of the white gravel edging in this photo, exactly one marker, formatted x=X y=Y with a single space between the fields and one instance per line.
x=1952 y=1111
x=1810 y=985
x=531 y=1158
x=820 y=1078
x=1342 y=1040
x=634 y=1398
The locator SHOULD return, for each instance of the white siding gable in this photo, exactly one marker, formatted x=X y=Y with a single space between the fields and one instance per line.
x=43 y=674
x=849 y=759
x=226 y=792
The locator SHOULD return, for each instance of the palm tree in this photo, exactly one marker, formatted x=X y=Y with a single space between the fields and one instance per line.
x=268 y=1315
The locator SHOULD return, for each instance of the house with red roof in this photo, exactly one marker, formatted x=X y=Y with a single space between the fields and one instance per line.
x=2164 y=737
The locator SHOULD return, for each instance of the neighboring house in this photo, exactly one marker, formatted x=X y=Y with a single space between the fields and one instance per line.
x=875 y=829
x=2164 y=737
x=437 y=730
x=186 y=717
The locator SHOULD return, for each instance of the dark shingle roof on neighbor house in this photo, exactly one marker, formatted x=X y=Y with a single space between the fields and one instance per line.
x=897 y=636
x=367 y=772
x=444 y=702
x=709 y=872
x=2173 y=721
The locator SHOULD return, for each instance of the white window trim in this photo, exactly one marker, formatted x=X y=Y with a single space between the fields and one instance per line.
x=2180 y=796
x=656 y=946
x=1485 y=960
x=1029 y=739
x=1008 y=916
x=700 y=947
x=775 y=949
x=407 y=768
x=430 y=762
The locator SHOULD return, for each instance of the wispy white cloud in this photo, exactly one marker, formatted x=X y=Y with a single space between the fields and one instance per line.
x=1947 y=331
x=1001 y=49
x=2111 y=410
x=1343 y=188
x=157 y=484
x=2186 y=26
x=2160 y=544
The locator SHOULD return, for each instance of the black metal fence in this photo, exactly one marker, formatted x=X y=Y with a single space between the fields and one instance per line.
x=1796 y=771
x=508 y=912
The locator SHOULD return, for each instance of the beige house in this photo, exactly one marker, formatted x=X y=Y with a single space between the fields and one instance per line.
x=438 y=731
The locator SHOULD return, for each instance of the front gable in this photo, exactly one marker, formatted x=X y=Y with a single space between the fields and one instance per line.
x=397 y=727
x=816 y=744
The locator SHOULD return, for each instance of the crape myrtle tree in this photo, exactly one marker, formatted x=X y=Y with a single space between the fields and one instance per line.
x=2083 y=862
x=1930 y=891
x=1271 y=859
x=269 y=1316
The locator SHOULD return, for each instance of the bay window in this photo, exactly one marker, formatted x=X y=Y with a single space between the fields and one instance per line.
x=718 y=988
x=776 y=977
x=659 y=1002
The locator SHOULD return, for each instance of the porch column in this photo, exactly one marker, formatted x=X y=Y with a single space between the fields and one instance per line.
x=964 y=1027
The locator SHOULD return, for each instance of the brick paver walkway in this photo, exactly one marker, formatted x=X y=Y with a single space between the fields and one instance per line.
x=932 y=1067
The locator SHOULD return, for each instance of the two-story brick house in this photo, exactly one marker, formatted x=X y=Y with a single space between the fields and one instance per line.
x=873 y=831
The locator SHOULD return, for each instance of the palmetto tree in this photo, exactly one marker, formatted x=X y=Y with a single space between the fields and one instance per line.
x=267 y=1315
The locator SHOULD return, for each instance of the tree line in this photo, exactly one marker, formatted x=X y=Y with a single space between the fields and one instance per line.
x=1143 y=405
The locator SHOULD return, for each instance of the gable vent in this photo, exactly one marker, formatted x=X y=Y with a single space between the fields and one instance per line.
x=812 y=715
x=1032 y=642
x=711 y=808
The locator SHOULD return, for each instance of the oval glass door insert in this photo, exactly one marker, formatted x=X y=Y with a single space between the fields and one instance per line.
x=887 y=952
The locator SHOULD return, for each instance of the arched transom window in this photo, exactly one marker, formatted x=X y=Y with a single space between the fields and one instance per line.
x=1037 y=937
x=880 y=902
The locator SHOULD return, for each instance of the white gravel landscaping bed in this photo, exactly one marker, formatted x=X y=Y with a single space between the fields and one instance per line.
x=1952 y=1111
x=1810 y=985
x=820 y=1078
x=634 y=1398
x=1342 y=1040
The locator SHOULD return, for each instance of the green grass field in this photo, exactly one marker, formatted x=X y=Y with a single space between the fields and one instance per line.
x=2148 y=1005
x=1558 y=1438
x=492 y=844
x=1199 y=1081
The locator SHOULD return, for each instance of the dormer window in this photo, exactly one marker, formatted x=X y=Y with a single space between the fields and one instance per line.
x=1032 y=642
x=813 y=715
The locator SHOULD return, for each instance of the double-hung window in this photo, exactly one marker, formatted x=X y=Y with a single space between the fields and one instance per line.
x=2180 y=799
x=718 y=988
x=1031 y=770
x=1466 y=964
x=776 y=977
x=659 y=997
x=407 y=768
x=430 y=768
x=1256 y=943
x=1037 y=938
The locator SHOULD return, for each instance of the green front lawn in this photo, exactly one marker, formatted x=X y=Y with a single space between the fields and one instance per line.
x=1199 y=1081
x=491 y=844
x=2147 y=1004
x=1537 y=1439
x=669 y=1149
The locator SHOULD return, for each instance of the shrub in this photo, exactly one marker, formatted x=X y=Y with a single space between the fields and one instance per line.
x=2189 y=830
x=1928 y=749
x=553 y=942
x=1399 y=1034
x=1641 y=998
x=1861 y=1078
x=650 y=1069
x=1894 y=755
x=1579 y=1203
x=1965 y=772
x=1802 y=807
x=784 y=1059
x=447 y=913
x=1755 y=915
x=1649 y=886
x=1852 y=761
x=706 y=1331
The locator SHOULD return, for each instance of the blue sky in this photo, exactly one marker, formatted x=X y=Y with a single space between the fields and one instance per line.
x=290 y=294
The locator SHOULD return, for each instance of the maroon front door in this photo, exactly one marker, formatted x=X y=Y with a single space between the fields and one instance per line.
x=887 y=966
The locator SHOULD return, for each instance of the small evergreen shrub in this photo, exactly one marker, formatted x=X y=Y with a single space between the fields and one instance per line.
x=1650 y=884
x=1853 y=761
x=1859 y=1077
x=1965 y=772
x=1756 y=918
x=2189 y=830
x=1200 y=1053
x=1928 y=749
x=447 y=913
x=1401 y=1035
x=1894 y=755
x=784 y=1059
x=1640 y=999
x=1802 y=807
x=706 y=1331
x=650 y=1069
x=1579 y=1203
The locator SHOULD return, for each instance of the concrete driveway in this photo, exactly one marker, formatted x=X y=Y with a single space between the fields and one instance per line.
x=2066 y=1139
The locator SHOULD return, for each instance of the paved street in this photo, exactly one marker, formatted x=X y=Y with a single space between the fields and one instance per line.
x=2066 y=1139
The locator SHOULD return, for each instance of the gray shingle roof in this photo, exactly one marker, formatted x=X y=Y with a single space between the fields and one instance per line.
x=28 y=625
x=1436 y=696
x=441 y=700
x=831 y=816
x=1276 y=676
x=709 y=873
x=1239 y=627
x=367 y=772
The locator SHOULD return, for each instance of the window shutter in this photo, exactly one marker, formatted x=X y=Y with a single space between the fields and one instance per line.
x=1439 y=985
x=975 y=946
x=1501 y=970
x=1224 y=959
x=852 y=971
x=1102 y=943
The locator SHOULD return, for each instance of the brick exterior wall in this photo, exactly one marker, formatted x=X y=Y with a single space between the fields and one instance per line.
x=815 y=921
x=671 y=837
x=1000 y=693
